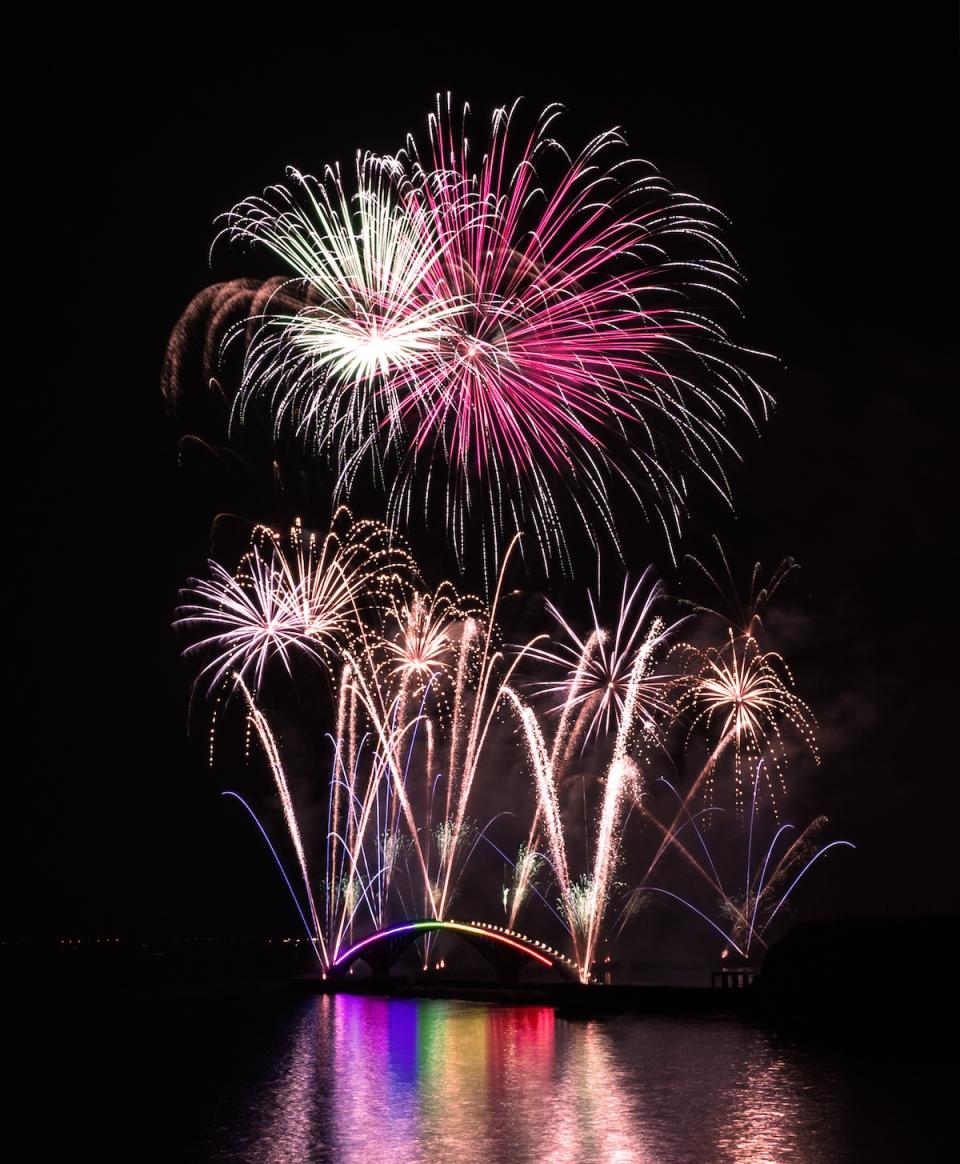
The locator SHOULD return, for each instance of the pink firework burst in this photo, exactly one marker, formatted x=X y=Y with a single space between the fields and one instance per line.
x=578 y=349
x=503 y=333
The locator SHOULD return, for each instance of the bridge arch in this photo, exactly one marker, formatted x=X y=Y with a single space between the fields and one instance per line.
x=506 y=950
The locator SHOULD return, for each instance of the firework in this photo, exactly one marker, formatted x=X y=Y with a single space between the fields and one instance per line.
x=248 y=616
x=426 y=628
x=609 y=683
x=584 y=900
x=272 y=752
x=360 y=265
x=418 y=689
x=597 y=669
x=420 y=684
x=289 y=597
x=536 y=325
x=767 y=882
x=746 y=695
x=500 y=334
x=745 y=615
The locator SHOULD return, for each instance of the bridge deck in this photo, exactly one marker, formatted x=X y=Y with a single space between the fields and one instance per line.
x=506 y=949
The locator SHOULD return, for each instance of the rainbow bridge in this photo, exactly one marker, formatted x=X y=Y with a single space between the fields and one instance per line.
x=506 y=950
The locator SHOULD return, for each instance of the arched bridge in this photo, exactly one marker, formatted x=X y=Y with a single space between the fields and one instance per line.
x=506 y=951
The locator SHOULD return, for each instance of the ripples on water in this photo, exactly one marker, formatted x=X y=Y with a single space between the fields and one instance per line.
x=368 y=1079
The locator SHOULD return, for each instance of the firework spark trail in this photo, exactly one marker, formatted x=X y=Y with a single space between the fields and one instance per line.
x=398 y=725
x=636 y=696
x=421 y=649
x=598 y=677
x=482 y=715
x=752 y=916
x=525 y=869
x=333 y=822
x=574 y=736
x=431 y=777
x=380 y=718
x=390 y=735
x=620 y=771
x=585 y=901
x=425 y=626
x=362 y=803
x=672 y=843
x=673 y=840
x=747 y=615
x=548 y=811
x=683 y=810
x=289 y=813
x=758 y=890
x=526 y=864
x=802 y=873
x=692 y=819
x=799 y=853
x=412 y=728
x=354 y=803
x=572 y=689
x=547 y=804
x=283 y=872
x=538 y=859
x=370 y=804
x=740 y=685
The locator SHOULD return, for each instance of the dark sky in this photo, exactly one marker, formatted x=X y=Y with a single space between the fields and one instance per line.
x=829 y=143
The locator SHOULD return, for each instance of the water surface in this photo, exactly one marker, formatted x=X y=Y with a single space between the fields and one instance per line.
x=271 y=1076
x=361 y=1079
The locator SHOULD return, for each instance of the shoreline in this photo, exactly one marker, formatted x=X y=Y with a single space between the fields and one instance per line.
x=568 y=999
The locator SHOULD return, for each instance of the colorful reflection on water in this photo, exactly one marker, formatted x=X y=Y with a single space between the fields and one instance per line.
x=368 y=1079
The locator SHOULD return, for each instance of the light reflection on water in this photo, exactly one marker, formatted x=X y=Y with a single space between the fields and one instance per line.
x=368 y=1079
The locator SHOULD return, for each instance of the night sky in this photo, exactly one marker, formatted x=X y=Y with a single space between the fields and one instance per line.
x=829 y=146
